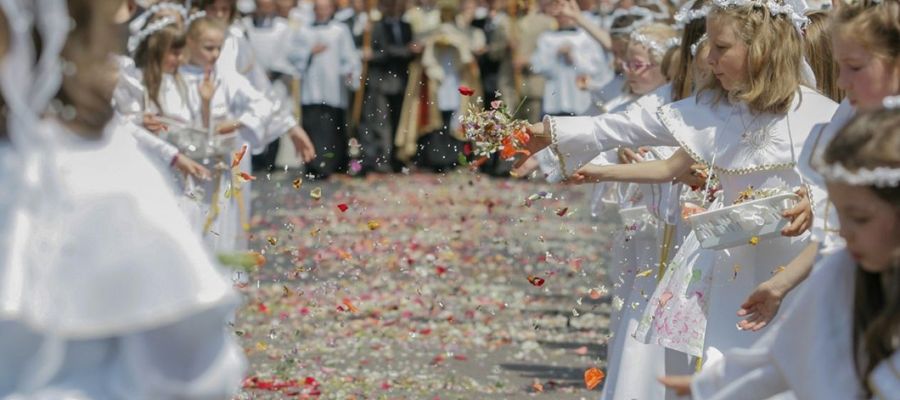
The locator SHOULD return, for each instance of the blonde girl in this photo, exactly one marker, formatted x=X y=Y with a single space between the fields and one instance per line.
x=747 y=125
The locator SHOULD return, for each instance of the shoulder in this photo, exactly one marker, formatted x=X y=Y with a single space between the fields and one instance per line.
x=810 y=99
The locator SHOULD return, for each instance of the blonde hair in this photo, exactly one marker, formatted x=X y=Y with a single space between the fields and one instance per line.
x=817 y=48
x=204 y=24
x=660 y=34
x=875 y=25
x=871 y=140
x=774 y=58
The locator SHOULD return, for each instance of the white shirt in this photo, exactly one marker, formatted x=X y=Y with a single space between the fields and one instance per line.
x=334 y=69
x=561 y=95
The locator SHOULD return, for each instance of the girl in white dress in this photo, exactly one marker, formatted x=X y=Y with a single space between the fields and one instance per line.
x=105 y=293
x=748 y=131
x=839 y=340
x=638 y=247
x=867 y=59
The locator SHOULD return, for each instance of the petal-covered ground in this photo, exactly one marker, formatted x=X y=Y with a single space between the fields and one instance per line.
x=454 y=286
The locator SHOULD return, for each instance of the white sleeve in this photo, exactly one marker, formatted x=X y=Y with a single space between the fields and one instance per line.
x=194 y=358
x=743 y=374
x=885 y=378
x=577 y=140
x=153 y=145
x=350 y=63
x=543 y=60
x=254 y=111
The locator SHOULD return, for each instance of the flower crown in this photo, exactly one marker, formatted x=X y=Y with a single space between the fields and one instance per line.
x=135 y=40
x=795 y=15
x=882 y=177
x=656 y=47
x=646 y=17
x=138 y=23
x=687 y=15
x=696 y=46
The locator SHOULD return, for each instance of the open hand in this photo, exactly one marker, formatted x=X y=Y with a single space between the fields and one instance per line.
x=760 y=308
x=190 y=167
x=681 y=384
x=302 y=144
x=801 y=215
x=153 y=124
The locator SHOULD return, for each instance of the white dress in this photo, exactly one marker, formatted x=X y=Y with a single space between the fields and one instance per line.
x=693 y=309
x=105 y=292
x=632 y=366
x=805 y=354
x=825 y=223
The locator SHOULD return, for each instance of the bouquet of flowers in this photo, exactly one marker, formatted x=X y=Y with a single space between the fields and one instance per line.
x=494 y=129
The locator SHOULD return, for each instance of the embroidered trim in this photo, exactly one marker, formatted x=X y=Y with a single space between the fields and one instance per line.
x=550 y=122
x=668 y=119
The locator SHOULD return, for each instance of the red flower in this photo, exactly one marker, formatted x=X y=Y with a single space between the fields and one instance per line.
x=465 y=90
x=343 y=207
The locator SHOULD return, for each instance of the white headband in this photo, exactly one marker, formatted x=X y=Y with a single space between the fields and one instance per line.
x=795 y=14
x=659 y=48
x=645 y=18
x=882 y=177
x=686 y=15
x=193 y=17
x=696 y=46
x=138 y=23
x=135 y=40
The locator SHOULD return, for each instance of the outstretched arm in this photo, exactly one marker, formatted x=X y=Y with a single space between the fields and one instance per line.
x=645 y=172
x=570 y=9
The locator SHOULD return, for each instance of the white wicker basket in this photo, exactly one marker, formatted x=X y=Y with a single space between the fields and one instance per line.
x=195 y=143
x=737 y=225
x=639 y=222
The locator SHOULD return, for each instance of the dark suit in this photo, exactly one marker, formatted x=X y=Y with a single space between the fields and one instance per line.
x=385 y=87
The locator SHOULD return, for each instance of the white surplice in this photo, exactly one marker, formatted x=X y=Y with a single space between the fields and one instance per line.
x=333 y=70
x=105 y=292
x=561 y=94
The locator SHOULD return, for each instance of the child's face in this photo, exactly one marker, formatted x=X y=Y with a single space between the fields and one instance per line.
x=205 y=49
x=727 y=53
x=643 y=75
x=219 y=9
x=866 y=78
x=869 y=224
x=171 y=60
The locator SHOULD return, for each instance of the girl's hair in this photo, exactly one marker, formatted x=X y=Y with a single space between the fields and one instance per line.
x=873 y=24
x=87 y=87
x=683 y=79
x=871 y=140
x=150 y=54
x=658 y=33
x=232 y=4
x=203 y=24
x=622 y=22
x=817 y=48
x=774 y=58
x=669 y=63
